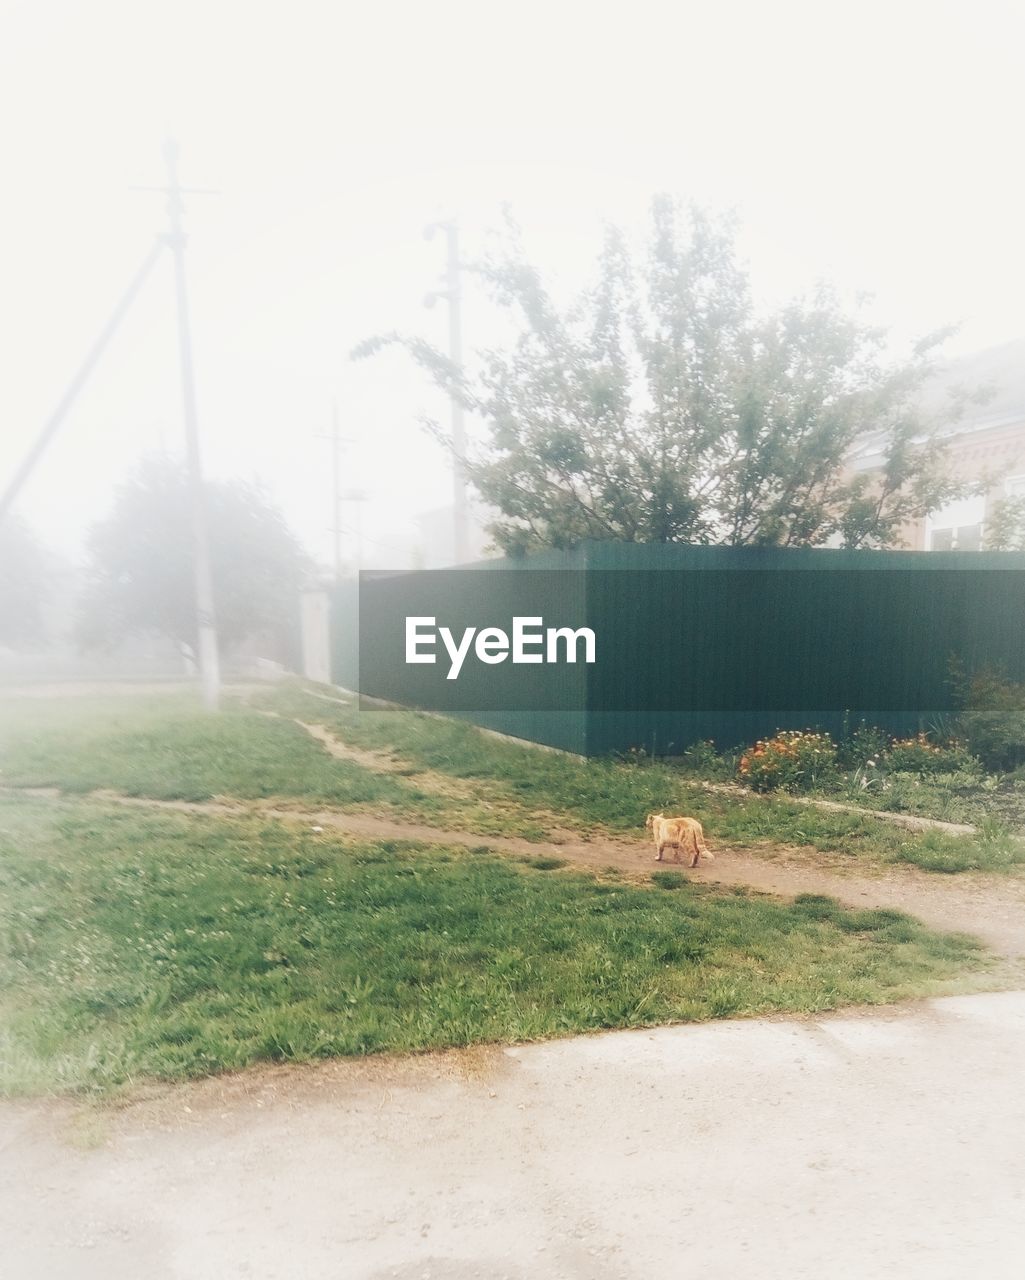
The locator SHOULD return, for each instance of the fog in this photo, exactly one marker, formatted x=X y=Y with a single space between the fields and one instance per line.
x=369 y=919
x=872 y=145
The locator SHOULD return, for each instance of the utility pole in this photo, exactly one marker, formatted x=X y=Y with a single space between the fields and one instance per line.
x=52 y=424
x=452 y=293
x=209 y=664
x=174 y=239
x=337 y=496
x=357 y=497
x=336 y=484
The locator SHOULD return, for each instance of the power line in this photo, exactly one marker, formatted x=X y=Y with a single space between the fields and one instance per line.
x=52 y=424
x=174 y=239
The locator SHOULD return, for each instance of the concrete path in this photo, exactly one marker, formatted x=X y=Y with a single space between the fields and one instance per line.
x=861 y=1145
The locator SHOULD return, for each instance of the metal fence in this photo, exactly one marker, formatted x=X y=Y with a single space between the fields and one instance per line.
x=718 y=643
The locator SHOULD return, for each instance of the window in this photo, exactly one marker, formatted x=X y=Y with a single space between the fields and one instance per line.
x=957 y=526
x=963 y=538
x=1014 y=487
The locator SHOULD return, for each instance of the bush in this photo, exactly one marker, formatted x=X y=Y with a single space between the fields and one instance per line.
x=703 y=759
x=866 y=743
x=921 y=755
x=793 y=760
x=993 y=720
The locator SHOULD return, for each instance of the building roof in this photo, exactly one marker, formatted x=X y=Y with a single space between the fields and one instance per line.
x=1000 y=371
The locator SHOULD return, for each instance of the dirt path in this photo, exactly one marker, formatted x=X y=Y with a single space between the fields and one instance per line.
x=441 y=784
x=887 y=1144
x=444 y=784
x=992 y=907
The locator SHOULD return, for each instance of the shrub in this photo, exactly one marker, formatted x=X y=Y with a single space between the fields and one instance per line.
x=993 y=720
x=702 y=758
x=866 y=743
x=793 y=760
x=921 y=755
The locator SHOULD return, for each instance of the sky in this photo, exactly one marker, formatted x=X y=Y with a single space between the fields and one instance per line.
x=876 y=146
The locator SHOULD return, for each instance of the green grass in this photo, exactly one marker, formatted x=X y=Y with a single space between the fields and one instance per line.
x=668 y=879
x=961 y=791
x=962 y=796
x=165 y=747
x=616 y=796
x=139 y=945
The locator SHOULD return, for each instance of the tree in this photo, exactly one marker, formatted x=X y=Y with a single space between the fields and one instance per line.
x=1005 y=526
x=141 y=574
x=663 y=407
x=24 y=586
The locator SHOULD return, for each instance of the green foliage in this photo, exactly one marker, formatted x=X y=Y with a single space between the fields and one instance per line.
x=993 y=719
x=704 y=759
x=792 y=760
x=140 y=945
x=668 y=879
x=141 y=558
x=515 y=781
x=996 y=850
x=1005 y=525
x=663 y=407
x=960 y=796
x=164 y=747
x=923 y=755
x=866 y=743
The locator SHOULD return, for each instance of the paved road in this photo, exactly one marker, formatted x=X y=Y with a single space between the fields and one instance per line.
x=860 y=1145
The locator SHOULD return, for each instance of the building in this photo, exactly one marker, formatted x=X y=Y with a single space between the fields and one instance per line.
x=436 y=547
x=989 y=440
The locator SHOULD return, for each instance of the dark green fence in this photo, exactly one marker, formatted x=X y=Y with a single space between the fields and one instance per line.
x=713 y=642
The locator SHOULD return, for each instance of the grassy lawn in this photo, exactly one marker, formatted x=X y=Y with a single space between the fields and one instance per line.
x=163 y=746
x=951 y=797
x=166 y=945
x=616 y=796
